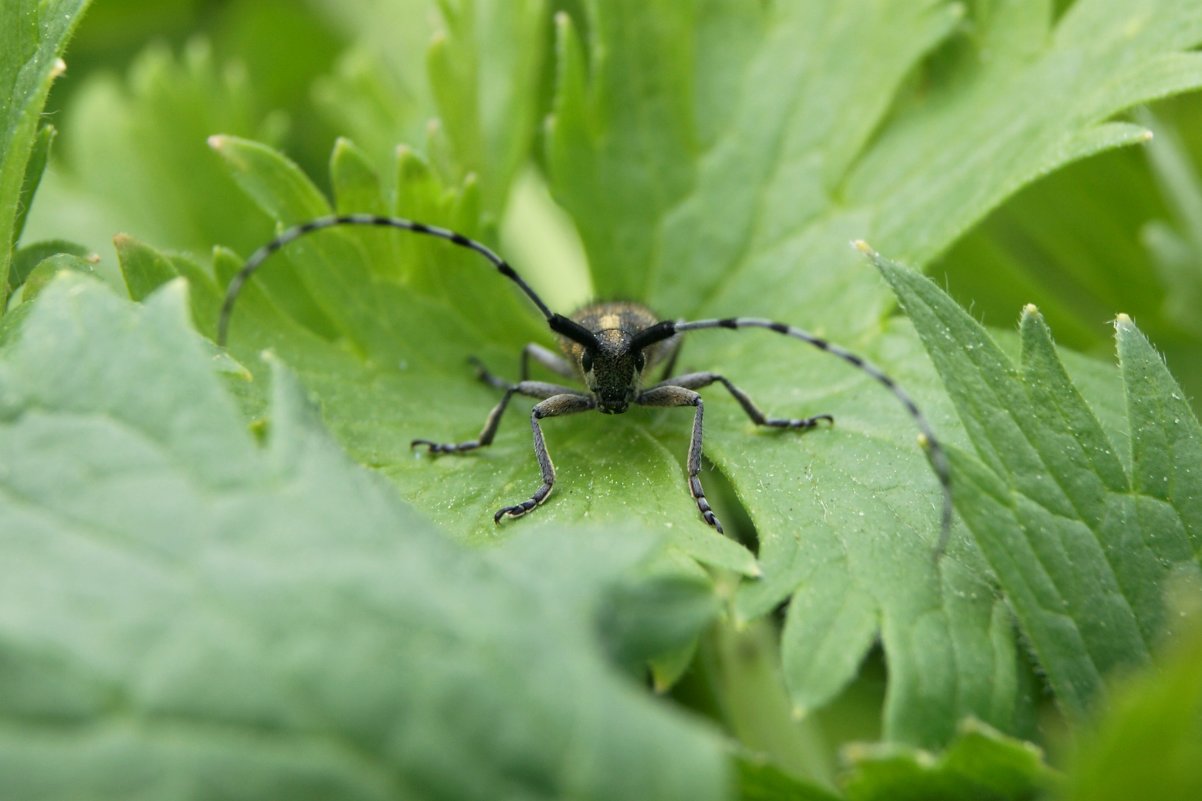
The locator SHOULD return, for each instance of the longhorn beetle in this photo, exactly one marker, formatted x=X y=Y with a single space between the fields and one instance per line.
x=609 y=347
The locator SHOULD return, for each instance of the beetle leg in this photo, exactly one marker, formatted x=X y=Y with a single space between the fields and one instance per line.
x=699 y=380
x=533 y=389
x=668 y=395
x=567 y=402
x=549 y=359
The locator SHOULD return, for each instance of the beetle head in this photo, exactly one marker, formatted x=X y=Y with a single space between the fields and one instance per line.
x=613 y=371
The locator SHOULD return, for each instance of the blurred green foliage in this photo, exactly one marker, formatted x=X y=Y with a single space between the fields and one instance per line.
x=708 y=157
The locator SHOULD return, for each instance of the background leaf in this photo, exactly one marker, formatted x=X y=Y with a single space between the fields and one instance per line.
x=134 y=158
x=979 y=764
x=39 y=154
x=31 y=45
x=1149 y=740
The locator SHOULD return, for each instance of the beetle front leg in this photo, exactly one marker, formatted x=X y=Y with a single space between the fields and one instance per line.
x=679 y=396
x=554 y=406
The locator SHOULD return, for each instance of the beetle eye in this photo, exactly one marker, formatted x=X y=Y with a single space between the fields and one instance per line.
x=586 y=361
x=640 y=362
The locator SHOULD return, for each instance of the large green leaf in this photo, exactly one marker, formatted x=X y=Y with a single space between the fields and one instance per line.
x=1081 y=541
x=32 y=38
x=186 y=613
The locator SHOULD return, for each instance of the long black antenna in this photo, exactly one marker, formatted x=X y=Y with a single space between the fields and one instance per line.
x=935 y=452
x=559 y=323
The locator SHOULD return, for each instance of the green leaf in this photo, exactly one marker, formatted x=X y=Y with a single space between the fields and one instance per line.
x=979 y=764
x=1105 y=234
x=378 y=94
x=46 y=270
x=38 y=156
x=762 y=782
x=1080 y=546
x=743 y=665
x=133 y=156
x=32 y=39
x=355 y=182
x=1071 y=241
x=485 y=72
x=186 y=612
x=145 y=270
x=477 y=110
x=30 y=256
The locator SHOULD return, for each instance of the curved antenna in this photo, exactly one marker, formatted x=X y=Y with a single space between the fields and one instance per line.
x=558 y=323
x=935 y=452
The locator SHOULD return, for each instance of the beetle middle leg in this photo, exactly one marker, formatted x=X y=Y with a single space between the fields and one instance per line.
x=699 y=380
